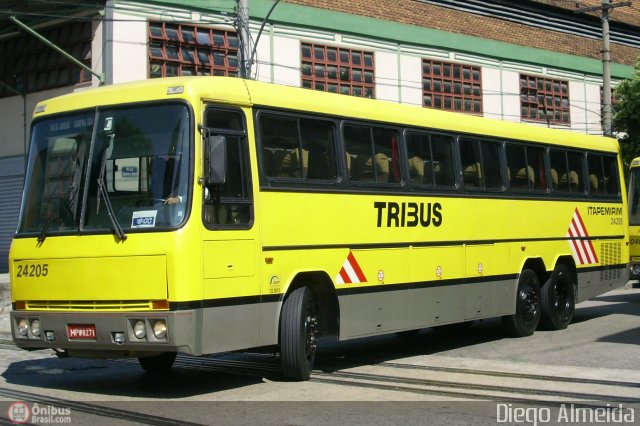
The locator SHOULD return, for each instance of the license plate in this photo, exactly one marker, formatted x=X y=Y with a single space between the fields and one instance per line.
x=81 y=331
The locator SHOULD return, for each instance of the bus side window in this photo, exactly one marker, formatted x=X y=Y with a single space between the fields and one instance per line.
x=559 y=170
x=470 y=160
x=536 y=166
x=611 y=181
x=567 y=171
x=576 y=181
x=358 y=144
x=525 y=168
x=480 y=164
x=596 y=175
x=442 y=160
x=429 y=159
x=517 y=167
x=230 y=203
x=603 y=174
x=491 y=165
x=296 y=148
x=372 y=154
x=385 y=142
x=419 y=158
x=318 y=141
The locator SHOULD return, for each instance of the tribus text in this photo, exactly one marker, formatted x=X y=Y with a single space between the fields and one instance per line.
x=409 y=215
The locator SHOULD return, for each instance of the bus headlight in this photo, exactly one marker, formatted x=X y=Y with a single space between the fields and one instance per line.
x=635 y=269
x=160 y=329
x=35 y=327
x=139 y=329
x=23 y=327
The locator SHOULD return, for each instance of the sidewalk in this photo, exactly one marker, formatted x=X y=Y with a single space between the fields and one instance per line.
x=5 y=304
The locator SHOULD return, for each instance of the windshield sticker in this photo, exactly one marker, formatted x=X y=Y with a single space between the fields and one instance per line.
x=129 y=171
x=144 y=219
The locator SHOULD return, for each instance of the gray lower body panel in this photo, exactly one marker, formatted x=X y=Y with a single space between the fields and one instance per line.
x=181 y=332
x=406 y=308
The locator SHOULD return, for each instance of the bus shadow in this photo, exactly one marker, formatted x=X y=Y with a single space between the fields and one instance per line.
x=439 y=341
x=124 y=378
x=623 y=303
x=336 y=356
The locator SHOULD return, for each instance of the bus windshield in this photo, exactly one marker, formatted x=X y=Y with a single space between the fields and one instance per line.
x=96 y=171
x=634 y=196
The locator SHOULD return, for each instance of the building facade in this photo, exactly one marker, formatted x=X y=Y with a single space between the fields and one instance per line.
x=527 y=61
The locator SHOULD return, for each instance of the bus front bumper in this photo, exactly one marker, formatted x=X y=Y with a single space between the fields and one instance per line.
x=106 y=335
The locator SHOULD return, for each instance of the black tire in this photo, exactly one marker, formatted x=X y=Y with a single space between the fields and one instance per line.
x=558 y=299
x=525 y=321
x=298 y=334
x=161 y=363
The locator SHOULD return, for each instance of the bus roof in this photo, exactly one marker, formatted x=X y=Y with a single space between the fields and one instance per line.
x=230 y=90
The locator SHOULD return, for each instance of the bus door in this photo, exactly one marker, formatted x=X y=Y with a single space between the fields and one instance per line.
x=231 y=292
x=634 y=218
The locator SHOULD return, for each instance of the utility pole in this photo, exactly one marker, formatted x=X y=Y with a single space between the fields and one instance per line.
x=606 y=6
x=242 y=23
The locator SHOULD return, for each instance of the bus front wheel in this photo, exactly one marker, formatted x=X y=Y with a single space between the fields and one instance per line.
x=298 y=334
x=158 y=363
x=525 y=321
x=558 y=299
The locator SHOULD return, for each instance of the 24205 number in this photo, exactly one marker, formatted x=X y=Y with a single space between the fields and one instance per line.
x=33 y=270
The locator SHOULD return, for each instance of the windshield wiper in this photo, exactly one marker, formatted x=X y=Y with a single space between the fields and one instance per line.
x=104 y=194
x=45 y=229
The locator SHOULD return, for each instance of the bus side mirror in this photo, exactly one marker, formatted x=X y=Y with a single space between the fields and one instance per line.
x=216 y=160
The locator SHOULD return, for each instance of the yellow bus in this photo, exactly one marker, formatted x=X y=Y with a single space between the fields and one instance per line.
x=634 y=219
x=203 y=215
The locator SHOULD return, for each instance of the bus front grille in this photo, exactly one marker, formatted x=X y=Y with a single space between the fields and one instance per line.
x=89 y=306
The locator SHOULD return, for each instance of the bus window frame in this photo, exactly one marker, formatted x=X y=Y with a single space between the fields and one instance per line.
x=603 y=155
x=243 y=137
x=301 y=183
x=405 y=187
x=402 y=157
x=584 y=194
x=435 y=188
x=500 y=192
x=547 y=169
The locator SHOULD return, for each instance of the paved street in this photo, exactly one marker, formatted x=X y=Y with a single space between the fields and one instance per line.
x=474 y=378
x=5 y=304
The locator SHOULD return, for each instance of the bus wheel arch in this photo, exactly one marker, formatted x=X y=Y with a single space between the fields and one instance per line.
x=537 y=265
x=558 y=295
x=325 y=296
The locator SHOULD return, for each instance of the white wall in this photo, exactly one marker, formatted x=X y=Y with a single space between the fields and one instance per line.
x=262 y=60
x=386 y=76
x=130 y=55
x=510 y=95
x=286 y=59
x=411 y=80
x=491 y=93
x=594 y=124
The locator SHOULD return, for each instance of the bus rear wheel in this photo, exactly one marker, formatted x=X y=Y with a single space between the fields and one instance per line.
x=558 y=299
x=525 y=321
x=158 y=363
x=298 y=334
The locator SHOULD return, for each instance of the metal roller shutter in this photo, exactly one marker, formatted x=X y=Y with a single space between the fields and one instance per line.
x=11 y=181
